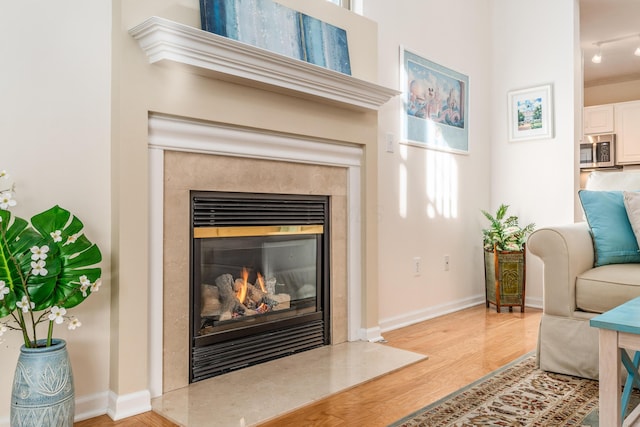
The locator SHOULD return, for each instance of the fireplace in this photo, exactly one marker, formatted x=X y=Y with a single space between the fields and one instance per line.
x=188 y=155
x=211 y=126
x=259 y=278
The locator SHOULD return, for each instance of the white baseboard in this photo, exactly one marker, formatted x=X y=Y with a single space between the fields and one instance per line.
x=407 y=319
x=91 y=406
x=129 y=404
x=370 y=334
x=533 y=302
x=417 y=316
x=86 y=407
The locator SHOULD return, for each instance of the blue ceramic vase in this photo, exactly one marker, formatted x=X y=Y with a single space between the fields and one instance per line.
x=43 y=393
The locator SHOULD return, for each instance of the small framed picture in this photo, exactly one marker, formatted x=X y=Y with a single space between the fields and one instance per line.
x=531 y=113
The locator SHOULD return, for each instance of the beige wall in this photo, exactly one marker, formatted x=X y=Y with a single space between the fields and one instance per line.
x=612 y=92
x=430 y=200
x=140 y=88
x=54 y=141
x=520 y=173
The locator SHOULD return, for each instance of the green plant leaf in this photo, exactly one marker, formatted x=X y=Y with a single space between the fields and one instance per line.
x=76 y=256
x=70 y=256
x=504 y=233
x=16 y=239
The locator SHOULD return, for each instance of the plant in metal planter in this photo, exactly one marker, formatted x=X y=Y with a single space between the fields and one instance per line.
x=505 y=259
x=504 y=233
x=47 y=266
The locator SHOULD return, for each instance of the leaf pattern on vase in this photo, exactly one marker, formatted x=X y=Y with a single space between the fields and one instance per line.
x=51 y=380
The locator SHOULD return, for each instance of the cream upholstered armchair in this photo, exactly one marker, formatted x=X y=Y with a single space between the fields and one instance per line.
x=575 y=290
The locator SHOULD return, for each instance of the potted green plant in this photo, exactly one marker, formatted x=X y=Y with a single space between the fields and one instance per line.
x=505 y=259
x=47 y=265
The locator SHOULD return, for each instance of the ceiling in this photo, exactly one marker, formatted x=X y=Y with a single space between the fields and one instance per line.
x=602 y=20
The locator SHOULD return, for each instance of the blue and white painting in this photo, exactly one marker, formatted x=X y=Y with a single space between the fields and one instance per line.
x=325 y=44
x=274 y=27
x=435 y=104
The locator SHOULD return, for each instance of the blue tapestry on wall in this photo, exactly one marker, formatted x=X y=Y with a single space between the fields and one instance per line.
x=279 y=29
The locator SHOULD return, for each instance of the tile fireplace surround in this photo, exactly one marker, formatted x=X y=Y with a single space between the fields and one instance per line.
x=188 y=155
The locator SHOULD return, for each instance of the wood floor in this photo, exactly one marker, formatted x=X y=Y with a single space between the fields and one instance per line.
x=462 y=347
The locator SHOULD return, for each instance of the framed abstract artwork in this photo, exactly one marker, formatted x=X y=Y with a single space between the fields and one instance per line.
x=530 y=113
x=435 y=104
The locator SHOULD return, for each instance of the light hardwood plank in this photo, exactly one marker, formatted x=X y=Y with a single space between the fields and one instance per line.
x=148 y=419
x=462 y=347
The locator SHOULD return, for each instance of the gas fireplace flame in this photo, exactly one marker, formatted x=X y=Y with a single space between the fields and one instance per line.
x=242 y=292
x=260 y=281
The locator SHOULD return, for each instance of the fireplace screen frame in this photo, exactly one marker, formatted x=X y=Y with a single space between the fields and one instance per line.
x=269 y=339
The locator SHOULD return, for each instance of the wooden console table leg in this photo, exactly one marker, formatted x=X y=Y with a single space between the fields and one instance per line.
x=609 y=378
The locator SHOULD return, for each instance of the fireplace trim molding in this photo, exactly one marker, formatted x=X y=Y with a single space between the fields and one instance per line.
x=187 y=135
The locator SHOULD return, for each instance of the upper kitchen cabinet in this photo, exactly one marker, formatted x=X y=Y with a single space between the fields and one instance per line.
x=598 y=119
x=627 y=129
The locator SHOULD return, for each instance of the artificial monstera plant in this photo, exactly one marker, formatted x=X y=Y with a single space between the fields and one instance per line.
x=47 y=265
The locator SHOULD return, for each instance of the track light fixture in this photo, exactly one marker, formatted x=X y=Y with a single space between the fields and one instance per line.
x=597 y=58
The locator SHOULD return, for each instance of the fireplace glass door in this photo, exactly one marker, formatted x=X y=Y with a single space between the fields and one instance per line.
x=259 y=278
x=248 y=280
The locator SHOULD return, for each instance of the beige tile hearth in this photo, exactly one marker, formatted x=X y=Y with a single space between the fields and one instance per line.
x=259 y=393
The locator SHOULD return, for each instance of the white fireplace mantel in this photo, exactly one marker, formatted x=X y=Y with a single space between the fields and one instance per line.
x=169 y=133
x=171 y=43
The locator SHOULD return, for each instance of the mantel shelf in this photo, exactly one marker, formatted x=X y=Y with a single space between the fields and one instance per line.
x=211 y=55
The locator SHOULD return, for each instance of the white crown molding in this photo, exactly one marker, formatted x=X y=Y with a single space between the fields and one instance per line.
x=205 y=53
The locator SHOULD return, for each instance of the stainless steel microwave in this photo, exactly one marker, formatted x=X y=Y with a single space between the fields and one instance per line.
x=598 y=151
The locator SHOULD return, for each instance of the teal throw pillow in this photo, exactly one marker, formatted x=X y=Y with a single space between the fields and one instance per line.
x=613 y=238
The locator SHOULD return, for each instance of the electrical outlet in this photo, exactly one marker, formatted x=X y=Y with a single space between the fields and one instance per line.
x=389 y=141
x=446 y=263
x=417 y=265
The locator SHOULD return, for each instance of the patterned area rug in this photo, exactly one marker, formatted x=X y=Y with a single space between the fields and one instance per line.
x=515 y=395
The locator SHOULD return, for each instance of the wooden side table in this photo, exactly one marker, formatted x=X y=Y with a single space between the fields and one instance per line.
x=619 y=329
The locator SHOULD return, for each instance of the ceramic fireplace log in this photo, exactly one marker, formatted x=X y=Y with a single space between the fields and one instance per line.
x=230 y=304
x=210 y=297
x=255 y=295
